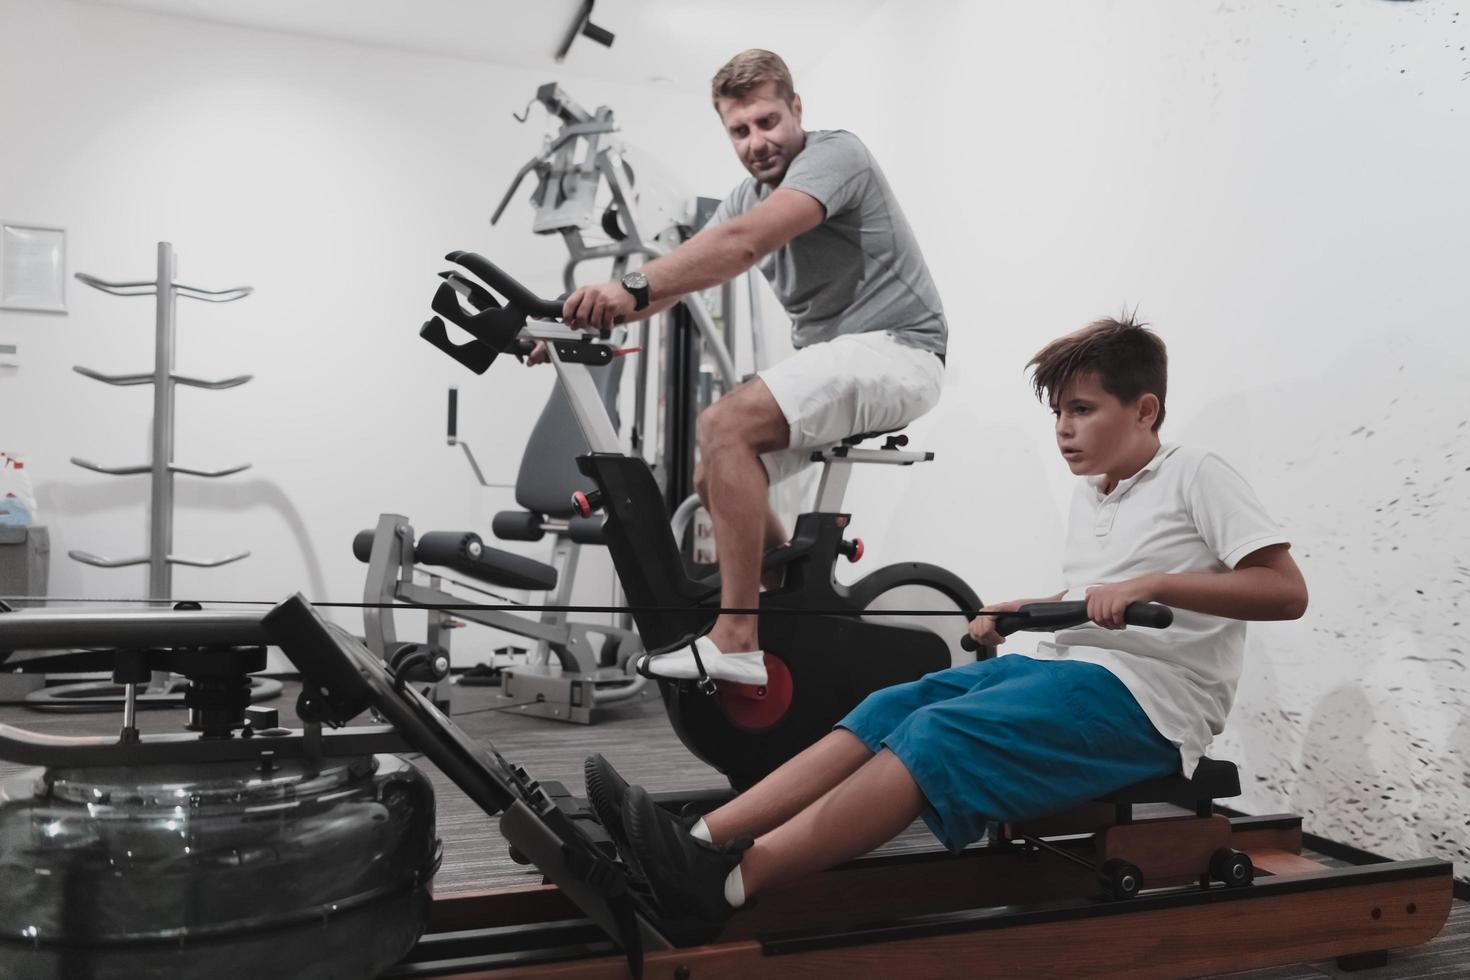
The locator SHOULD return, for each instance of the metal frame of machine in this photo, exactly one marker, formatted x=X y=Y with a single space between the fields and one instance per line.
x=1007 y=908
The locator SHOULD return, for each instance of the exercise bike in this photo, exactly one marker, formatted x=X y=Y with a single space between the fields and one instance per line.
x=827 y=645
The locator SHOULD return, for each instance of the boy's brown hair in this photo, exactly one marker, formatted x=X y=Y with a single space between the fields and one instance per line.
x=749 y=70
x=1129 y=359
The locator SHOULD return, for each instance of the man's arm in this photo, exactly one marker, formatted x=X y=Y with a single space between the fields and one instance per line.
x=728 y=249
x=708 y=259
x=1264 y=585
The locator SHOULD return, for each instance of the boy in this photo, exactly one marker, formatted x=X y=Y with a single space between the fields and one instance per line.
x=1018 y=737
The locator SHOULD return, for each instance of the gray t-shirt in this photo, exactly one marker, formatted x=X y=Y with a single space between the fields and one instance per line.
x=860 y=269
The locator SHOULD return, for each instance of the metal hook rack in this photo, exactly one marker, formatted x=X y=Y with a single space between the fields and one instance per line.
x=164 y=378
x=160 y=558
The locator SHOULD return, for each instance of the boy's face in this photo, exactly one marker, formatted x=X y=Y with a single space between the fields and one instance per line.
x=765 y=132
x=1099 y=434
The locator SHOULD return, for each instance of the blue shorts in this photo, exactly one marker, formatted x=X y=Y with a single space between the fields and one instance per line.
x=1012 y=738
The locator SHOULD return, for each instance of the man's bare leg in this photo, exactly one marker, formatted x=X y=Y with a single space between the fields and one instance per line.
x=733 y=432
x=799 y=782
x=868 y=808
x=774 y=538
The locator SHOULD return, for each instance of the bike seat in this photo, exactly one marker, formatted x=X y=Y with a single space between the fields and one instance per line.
x=1213 y=779
x=861 y=437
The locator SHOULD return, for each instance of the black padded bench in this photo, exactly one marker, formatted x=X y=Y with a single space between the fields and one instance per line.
x=1213 y=779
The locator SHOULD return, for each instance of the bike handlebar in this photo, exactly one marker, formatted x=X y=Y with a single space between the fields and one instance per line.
x=500 y=281
x=493 y=308
x=1049 y=616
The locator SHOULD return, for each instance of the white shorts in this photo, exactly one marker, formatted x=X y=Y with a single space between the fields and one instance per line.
x=859 y=382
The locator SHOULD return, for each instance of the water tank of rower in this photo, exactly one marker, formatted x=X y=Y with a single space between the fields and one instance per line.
x=222 y=870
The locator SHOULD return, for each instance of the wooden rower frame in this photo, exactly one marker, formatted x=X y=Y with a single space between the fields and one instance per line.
x=1030 y=903
x=998 y=910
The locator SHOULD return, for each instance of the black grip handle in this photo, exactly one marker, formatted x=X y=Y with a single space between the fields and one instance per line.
x=496 y=278
x=1050 y=616
x=362 y=545
x=518 y=525
x=447 y=548
x=453 y=413
x=601 y=35
x=516 y=295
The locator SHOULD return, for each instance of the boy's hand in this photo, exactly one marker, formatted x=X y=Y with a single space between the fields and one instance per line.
x=982 y=627
x=1107 y=603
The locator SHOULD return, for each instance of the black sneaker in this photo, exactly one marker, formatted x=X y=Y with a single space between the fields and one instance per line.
x=605 y=792
x=686 y=874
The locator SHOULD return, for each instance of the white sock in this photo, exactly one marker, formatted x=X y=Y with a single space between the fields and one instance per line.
x=700 y=832
x=735 y=888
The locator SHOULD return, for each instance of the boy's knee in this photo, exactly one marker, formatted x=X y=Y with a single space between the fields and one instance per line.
x=930 y=724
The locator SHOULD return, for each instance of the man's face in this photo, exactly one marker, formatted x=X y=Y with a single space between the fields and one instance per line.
x=765 y=131
x=1096 y=432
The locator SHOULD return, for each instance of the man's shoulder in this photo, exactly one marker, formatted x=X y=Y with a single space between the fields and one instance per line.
x=745 y=196
x=834 y=135
x=836 y=141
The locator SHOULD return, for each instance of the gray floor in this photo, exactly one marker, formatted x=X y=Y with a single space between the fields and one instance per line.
x=637 y=739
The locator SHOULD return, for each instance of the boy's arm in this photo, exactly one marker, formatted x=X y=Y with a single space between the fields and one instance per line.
x=982 y=627
x=1266 y=584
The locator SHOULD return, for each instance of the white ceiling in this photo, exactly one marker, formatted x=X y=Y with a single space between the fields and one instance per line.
x=679 y=42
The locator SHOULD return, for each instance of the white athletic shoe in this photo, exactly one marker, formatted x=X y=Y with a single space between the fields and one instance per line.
x=737 y=668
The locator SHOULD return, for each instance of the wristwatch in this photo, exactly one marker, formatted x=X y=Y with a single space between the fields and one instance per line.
x=637 y=284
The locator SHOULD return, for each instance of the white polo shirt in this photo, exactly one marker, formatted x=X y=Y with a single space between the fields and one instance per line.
x=1187 y=510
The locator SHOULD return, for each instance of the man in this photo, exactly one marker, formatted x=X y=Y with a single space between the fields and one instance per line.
x=821 y=222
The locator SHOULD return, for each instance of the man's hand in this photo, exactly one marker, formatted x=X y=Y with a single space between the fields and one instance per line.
x=982 y=627
x=598 y=306
x=1107 y=603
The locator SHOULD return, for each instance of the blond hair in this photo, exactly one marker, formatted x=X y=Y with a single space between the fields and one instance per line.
x=749 y=70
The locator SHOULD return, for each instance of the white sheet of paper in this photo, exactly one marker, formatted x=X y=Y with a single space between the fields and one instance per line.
x=32 y=268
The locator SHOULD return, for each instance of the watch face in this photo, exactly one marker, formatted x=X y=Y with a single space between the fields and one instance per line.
x=635 y=280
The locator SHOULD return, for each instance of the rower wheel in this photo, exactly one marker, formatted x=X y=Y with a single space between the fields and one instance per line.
x=1232 y=867
x=1120 y=879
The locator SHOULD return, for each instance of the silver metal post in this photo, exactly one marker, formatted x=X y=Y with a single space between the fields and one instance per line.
x=130 y=713
x=833 y=486
x=161 y=526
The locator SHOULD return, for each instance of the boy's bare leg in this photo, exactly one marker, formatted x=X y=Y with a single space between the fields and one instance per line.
x=799 y=782
x=870 y=807
x=733 y=432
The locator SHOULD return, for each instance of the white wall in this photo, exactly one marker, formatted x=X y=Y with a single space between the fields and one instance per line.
x=1280 y=188
x=332 y=178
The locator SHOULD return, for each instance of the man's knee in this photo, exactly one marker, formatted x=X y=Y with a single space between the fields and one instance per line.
x=719 y=428
x=701 y=483
x=745 y=419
